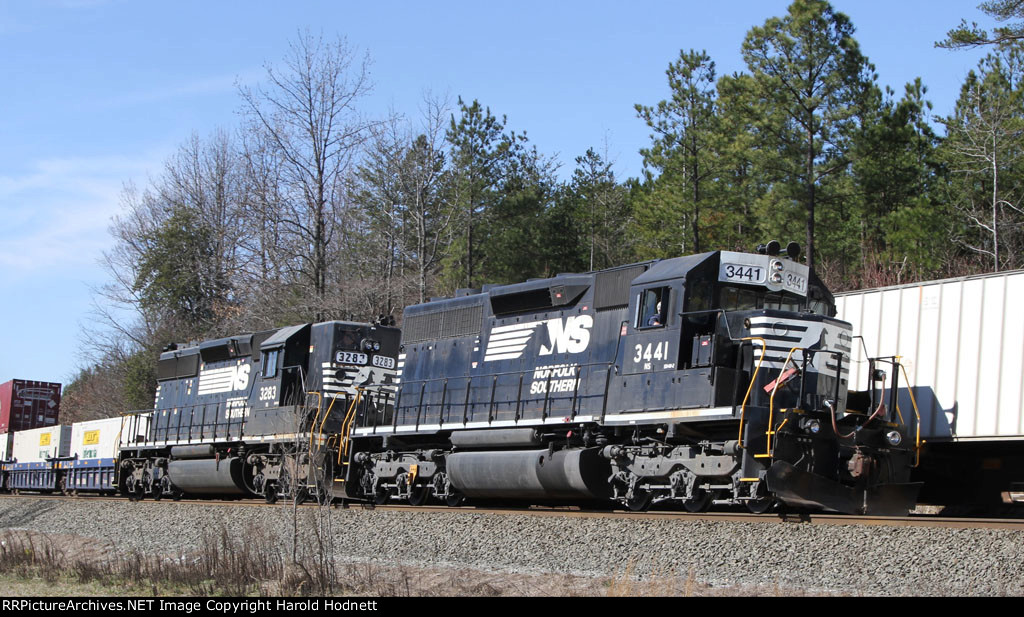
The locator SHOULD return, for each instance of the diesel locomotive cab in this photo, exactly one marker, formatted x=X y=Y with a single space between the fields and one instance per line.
x=751 y=339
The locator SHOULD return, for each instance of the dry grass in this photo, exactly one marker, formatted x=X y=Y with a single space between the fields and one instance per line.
x=260 y=566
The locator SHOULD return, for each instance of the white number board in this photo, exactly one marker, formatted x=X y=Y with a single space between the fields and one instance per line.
x=348 y=357
x=740 y=273
x=774 y=272
x=794 y=282
x=383 y=362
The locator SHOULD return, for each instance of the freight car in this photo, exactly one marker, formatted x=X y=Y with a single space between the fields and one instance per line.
x=713 y=379
x=33 y=458
x=27 y=404
x=80 y=458
x=259 y=414
x=963 y=347
x=6 y=445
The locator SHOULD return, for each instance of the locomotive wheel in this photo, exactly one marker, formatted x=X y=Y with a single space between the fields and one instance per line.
x=157 y=490
x=381 y=495
x=270 y=495
x=760 y=505
x=640 y=501
x=325 y=484
x=415 y=494
x=700 y=502
x=284 y=488
x=454 y=499
x=418 y=494
x=324 y=495
x=760 y=501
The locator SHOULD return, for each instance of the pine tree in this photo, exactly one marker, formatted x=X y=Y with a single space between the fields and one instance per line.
x=811 y=81
x=478 y=150
x=600 y=207
x=971 y=35
x=682 y=161
x=900 y=220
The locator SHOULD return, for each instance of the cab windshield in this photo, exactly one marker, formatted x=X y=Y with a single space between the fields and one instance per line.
x=746 y=299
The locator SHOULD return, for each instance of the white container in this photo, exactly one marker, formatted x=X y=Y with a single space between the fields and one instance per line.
x=134 y=428
x=38 y=444
x=98 y=438
x=6 y=444
x=962 y=343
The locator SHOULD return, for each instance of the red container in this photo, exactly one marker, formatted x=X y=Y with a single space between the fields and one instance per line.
x=28 y=404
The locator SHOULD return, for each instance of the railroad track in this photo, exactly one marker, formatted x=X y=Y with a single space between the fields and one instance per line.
x=814 y=518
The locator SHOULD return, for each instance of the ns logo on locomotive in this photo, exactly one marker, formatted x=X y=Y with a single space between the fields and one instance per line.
x=708 y=380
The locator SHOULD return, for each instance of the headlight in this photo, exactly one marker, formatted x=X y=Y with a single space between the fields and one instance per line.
x=810 y=425
x=776 y=278
x=894 y=438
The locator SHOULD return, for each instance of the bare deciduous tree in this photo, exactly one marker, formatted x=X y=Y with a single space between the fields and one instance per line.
x=308 y=120
x=984 y=151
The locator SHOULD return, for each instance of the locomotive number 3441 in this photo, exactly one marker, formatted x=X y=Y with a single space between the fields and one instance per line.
x=653 y=352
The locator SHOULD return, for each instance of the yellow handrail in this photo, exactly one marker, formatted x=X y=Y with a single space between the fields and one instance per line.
x=320 y=431
x=319 y=402
x=771 y=406
x=917 y=413
x=753 y=378
x=346 y=426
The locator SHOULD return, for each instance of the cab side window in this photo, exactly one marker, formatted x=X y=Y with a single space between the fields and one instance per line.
x=652 y=308
x=270 y=363
x=699 y=296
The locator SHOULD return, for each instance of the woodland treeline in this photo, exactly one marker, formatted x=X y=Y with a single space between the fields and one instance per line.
x=312 y=209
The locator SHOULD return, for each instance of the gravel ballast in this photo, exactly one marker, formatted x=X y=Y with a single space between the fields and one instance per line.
x=849 y=559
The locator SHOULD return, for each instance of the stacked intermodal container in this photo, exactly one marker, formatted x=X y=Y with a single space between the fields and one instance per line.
x=26 y=404
x=962 y=344
x=6 y=444
x=33 y=449
x=95 y=445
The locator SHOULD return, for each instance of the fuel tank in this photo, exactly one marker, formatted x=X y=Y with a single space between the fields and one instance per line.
x=208 y=476
x=531 y=474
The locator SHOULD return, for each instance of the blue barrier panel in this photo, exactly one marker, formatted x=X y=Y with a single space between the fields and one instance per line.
x=95 y=474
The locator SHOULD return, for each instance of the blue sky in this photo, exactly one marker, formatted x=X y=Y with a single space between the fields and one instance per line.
x=98 y=93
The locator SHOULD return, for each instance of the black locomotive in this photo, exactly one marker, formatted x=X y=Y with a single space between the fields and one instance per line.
x=712 y=379
x=259 y=414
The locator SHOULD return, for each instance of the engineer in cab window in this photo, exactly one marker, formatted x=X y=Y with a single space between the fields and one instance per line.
x=655 y=319
x=651 y=308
